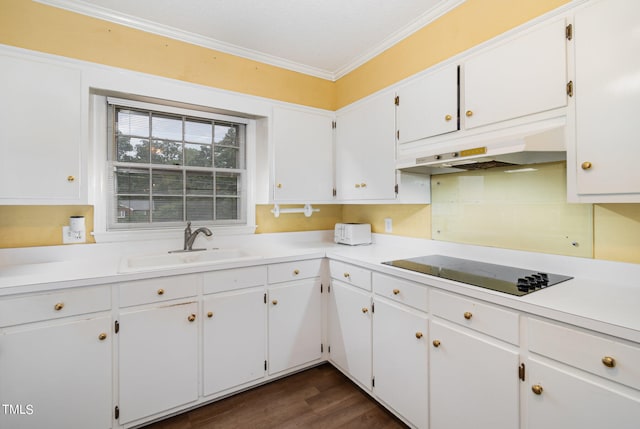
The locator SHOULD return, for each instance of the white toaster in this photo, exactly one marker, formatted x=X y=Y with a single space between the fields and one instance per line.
x=352 y=234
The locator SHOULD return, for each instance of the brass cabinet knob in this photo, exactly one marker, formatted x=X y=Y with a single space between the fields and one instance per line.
x=448 y=118
x=274 y=302
x=357 y=185
x=102 y=336
x=191 y=317
x=396 y=291
x=279 y=185
x=363 y=185
x=347 y=275
x=210 y=314
x=296 y=272
x=418 y=335
x=71 y=179
x=537 y=389
x=160 y=291
x=586 y=165
x=436 y=343
x=609 y=362
x=467 y=315
x=365 y=310
x=59 y=306
x=469 y=113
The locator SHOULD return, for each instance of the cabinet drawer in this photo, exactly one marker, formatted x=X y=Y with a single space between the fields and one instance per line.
x=596 y=354
x=54 y=305
x=294 y=270
x=482 y=317
x=400 y=290
x=240 y=278
x=158 y=289
x=350 y=274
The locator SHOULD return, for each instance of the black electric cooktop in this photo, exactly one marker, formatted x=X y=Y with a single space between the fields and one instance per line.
x=501 y=278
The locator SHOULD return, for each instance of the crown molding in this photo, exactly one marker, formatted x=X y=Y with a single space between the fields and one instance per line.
x=210 y=43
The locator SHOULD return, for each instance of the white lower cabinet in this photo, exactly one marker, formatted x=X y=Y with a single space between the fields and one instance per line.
x=349 y=328
x=158 y=360
x=400 y=360
x=234 y=339
x=56 y=376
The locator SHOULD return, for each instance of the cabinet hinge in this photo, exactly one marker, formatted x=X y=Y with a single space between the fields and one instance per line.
x=329 y=349
x=396 y=188
x=398 y=135
x=265 y=365
x=116 y=326
x=334 y=124
x=568 y=32
x=335 y=192
x=321 y=288
x=328 y=288
x=570 y=88
x=396 y=101
x=321 y=348
x=521 y=372
x=373 y=382
x=116 y=412
x=265 y=298
x=373 y=307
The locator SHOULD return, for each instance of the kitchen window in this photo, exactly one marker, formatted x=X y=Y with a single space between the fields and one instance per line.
x=171 y=165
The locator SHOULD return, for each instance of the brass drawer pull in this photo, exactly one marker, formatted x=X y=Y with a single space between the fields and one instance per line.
x=365 y=310
x=347 y=275
x=274 y=302
x=102 y=336
x=59 y=306
x=210 y=314
x=71 y=179
x=396 y=291
x=586 y=165
x=469 y=113
x=537 y=389
x=191 y=317
x=467 y=315
x=418 y=335
x=609 y=362
x=160 y=291
x=448 y=118
x=436 y=343
x=296 y=272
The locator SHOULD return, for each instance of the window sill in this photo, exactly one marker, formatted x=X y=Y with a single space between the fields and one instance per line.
x=166 y=234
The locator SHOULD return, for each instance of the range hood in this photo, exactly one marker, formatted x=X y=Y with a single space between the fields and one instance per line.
x=531 y=144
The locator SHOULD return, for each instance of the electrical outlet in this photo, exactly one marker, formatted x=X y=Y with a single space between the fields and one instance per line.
x=388 y=225
x=71 y=237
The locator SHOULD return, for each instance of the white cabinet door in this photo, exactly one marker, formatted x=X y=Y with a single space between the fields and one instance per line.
x=350 y=331
x=520 y=77
x=474 y=382
x=158 y=360
x=57 y=376
x=400 y=366
x=40 y=132
x=295 y=331
x=607 y=100
x=234 y=339
x=428 y=105
x=303 y=152
x=569 y=400
x=365 y=150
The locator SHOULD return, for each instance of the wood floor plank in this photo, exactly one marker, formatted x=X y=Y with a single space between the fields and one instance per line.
x=320 y=397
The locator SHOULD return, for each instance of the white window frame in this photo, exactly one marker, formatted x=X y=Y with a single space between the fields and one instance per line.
x=103 y=186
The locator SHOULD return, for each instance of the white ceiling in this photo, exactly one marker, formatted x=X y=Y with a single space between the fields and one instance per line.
x=324 y=38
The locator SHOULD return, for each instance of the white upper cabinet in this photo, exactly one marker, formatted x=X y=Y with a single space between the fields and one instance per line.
x=303 y=155
x=519 y=77
x=607 y=85
x=365 y=150
x=428 y=105
x=40 y=132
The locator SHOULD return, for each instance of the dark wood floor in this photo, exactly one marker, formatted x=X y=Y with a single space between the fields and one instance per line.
x=320 y=397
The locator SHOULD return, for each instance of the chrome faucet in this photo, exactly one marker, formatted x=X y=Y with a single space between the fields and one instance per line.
x=190 y=237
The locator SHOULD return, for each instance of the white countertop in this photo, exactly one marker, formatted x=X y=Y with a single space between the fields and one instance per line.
x=603 y=295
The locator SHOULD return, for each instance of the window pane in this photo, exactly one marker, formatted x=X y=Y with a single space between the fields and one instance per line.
x=200 y=208
x=166 y=152
x=227 y=184
x=132 y=123
x=167 y=209
x=199 y=183
x=133 y=149
x=226 y=134
x=227 y=157
x=227 y=208
x=197 y=132
x=132 y=209
x=132 y=181
x=197 y=155
x=167 y=182
x=168 y=128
